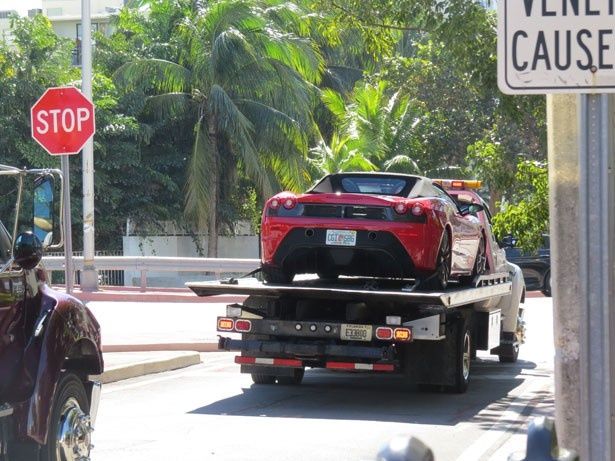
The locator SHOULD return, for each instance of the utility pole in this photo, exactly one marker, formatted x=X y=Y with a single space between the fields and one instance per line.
x=89 y=277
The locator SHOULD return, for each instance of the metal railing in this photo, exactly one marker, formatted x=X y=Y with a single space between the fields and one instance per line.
x=145 y=264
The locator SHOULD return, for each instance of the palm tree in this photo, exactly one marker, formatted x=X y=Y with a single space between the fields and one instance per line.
x=337 y=157
x=249 y=84
x=377 y=126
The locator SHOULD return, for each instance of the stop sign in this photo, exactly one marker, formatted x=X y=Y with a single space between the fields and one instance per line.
x=62 y=120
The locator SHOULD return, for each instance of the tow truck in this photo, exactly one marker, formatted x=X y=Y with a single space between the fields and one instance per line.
x=371 y=325
x=50 y=349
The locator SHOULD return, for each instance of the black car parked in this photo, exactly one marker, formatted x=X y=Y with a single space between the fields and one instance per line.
x=536 y=267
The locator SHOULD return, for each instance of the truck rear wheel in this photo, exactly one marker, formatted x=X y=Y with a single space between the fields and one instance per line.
x=259 y=378
x=463 y=359
x=68 y=437
x=293 y=380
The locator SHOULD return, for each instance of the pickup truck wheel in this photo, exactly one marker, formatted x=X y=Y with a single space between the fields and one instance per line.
x=546 y=290
x=293 y=380
x=68 y=436
x=259 y=378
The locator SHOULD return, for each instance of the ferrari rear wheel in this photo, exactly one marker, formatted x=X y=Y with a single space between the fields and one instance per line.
x=443 y=268
x=276 y=275
x=480 y=263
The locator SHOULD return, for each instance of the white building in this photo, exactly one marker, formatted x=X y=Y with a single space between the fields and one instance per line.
x=5 y=24
x=65 y=17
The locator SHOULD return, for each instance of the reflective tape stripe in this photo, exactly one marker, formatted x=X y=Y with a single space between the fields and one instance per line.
x=268 y=361
x=360 y=366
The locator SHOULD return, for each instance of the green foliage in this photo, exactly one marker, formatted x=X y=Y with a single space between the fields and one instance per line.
x=526 y=215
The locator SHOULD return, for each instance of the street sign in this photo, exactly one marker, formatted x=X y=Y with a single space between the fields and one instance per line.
x=556 y=46
x=62 y=120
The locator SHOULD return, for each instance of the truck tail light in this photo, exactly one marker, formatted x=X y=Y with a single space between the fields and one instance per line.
x=402 y=334
x=384 y=333
x=226 y=324
x=243 y=326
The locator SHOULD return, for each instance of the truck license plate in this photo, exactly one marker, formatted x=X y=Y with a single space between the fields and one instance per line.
x=351 y=332
x=346 y=238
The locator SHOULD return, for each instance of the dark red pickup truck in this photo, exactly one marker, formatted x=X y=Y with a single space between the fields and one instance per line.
x=50 y=347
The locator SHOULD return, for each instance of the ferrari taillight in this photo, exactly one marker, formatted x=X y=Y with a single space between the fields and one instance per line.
x=289 y=203
x=274 y=204
x=417 y=210
x=400 y=208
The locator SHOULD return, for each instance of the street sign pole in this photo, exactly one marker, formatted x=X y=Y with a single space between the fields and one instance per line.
x=596 y=275
x=69 y=276
x=89 y=278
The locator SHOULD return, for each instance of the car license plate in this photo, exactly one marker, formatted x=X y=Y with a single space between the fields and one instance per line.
x=351 y=332
x=345 y=238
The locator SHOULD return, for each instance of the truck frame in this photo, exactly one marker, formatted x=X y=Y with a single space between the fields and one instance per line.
x=371 y=325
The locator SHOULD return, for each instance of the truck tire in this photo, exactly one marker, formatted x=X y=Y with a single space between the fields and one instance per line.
x=68 y=436
x=463 y=358
x=508 y=353
x=293 y=380
x=259 y=378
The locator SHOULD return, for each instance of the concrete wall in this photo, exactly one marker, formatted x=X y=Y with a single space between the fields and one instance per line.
x=241 y=246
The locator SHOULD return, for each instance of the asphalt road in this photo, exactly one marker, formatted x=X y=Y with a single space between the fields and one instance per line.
x=211 y=411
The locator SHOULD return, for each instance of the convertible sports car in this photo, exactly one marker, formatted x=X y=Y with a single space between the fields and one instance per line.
x=372 y=225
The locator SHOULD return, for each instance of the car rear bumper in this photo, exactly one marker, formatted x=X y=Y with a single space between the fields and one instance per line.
x=376 y=253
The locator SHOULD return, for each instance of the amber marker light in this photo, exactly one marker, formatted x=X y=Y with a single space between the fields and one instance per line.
x=225 y=324
x=402 y=334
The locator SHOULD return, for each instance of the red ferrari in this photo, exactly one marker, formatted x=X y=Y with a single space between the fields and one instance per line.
x=372 y=225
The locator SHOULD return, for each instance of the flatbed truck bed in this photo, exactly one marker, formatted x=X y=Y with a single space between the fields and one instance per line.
x=364 y=324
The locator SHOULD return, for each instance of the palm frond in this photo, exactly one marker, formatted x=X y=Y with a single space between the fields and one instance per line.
x=158 y=74
x=402 y=164
x=198 y=185
x=230 y=121
x=168 y=105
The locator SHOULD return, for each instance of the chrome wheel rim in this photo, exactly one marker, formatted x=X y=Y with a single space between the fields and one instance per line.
x=466 y=356
x=74 y=433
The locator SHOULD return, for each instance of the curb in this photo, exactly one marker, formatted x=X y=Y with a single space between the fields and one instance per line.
x=146 y=367
x=159 y=347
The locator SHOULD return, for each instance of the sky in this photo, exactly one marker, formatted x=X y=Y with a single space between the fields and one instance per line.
x=21 y=6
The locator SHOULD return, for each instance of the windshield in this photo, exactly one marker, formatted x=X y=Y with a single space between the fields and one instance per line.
x=366 y=184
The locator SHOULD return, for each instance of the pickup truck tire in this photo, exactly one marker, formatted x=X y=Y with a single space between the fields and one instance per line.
x=68 y=436
x=546 y=290
x=259 y=378
x=293 y=380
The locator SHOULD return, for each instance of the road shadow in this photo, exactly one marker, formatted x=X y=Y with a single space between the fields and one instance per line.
x=377 y=397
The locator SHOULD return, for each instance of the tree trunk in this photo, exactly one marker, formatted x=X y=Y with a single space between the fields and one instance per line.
x=212 y=241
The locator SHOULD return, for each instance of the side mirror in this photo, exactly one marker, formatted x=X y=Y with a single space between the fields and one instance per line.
x=28 y=250
x=43 y=215
x=471 y=208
